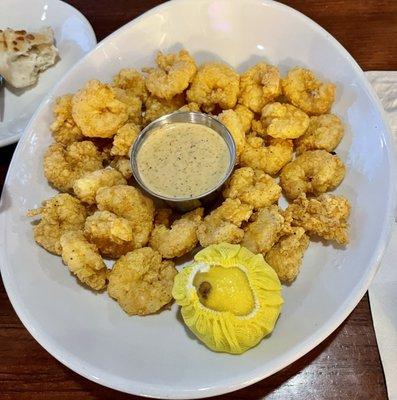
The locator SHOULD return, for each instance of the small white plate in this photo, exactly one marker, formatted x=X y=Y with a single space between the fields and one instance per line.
x=156 y=355
x=74 y=38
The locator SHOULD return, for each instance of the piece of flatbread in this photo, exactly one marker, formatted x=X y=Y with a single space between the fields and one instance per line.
x=24 y=55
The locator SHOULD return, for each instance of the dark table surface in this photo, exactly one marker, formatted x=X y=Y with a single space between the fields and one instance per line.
x=344 y=366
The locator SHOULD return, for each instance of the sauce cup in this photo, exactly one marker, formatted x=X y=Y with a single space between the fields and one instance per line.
x=185 y=203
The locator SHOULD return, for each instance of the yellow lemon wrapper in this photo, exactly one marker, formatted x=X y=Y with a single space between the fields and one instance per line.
x=230 y=298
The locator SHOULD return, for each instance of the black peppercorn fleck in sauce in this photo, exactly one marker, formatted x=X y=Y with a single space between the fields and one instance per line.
x=182 y=160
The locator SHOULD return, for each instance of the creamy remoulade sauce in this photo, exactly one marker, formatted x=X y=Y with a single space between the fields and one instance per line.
x=182 y=160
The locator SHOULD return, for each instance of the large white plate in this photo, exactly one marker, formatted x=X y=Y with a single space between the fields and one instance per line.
x=74 y=38
x=156 y=355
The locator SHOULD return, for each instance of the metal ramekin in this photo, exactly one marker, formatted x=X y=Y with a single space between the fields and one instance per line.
x=188 y=203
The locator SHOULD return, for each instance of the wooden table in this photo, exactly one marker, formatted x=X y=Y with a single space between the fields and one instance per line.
x=347 y=364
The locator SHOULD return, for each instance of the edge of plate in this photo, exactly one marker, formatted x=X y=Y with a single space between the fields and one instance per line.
x=13 y=139
x=230 y=385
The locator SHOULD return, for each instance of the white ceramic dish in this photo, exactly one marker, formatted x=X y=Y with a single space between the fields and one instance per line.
x=156 y=356
x=74 y=38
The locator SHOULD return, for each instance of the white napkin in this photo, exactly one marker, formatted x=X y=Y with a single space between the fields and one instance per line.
x=383 y=290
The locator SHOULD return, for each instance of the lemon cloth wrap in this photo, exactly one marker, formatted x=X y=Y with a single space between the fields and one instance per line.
x=225 y=331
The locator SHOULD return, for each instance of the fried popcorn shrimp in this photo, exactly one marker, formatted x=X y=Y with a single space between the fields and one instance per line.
x=133 y=82
x=214 y=84
x=123 y=165
x=64 y=164
x=83 y=260
x=96 y=110
x=232 y=121
x=156 y=107
x=284 y=121
x=129 y=203
x=246 y=116
x=112 y=235
x=59 y=214
x=252 y=187
x=313 y=172
x=268 y=226
x=190 y=107
x=325 y=216
x=285 y=257
x=124 y=139
x=133 y=103
x=163 y=216
x=173 y=75
x=305 y=91
x=269 y=159
x=180 y=238
x=64 y=129
x=324 y=133
x=258 y=86
x=223 y=223
x=141 y=282
x=85 y=188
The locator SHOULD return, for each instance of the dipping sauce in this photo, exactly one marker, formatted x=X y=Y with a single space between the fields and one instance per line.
x=182 y=160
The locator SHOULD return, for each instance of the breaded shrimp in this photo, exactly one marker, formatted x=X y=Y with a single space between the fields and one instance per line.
x=190 y=107
x=259 y=85
x=305 y=91
x=232 y=121
x=325 y=216
x=172 y=76
x=131 y=80
x=96 y=110
x=324 y=133
x=180 y=238
x=123 y=165
x=246 y=116
x=141 y=282
x=269 y=159
x=60 y=214
x=85 y=188
x=253 y=187
x=156 y=107
x=313 y=172
x=64 y=129
x=124 y=139
x=112 y=235
x=83 y=260
x=268 y=226
x=223 y=223
x=64 y=164
x=215 y=84
x=284 y=121
x=129 y=203
x=285 y=257
x=133 y=103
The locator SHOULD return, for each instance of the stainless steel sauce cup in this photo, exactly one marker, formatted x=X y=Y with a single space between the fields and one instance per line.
x=187 y=203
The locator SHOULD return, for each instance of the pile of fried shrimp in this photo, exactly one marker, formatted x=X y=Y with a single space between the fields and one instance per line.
x=285 y=137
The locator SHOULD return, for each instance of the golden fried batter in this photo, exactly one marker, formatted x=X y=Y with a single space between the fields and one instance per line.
x=285 y=257
x=305 y=91
x=324 y=133
x=268 y=226
x=133 y=82
x=313 y=172
x=64 y=164
x=269 y=159
x=96 y=110
x=190 y=107
x=85 y=188
x=123 y=165
x=83 y=260
x=112 y=235
x=64 y=129
x=156 y=107
x=223 y=223
x=173 y=75
x=129 y=203
x=258 y=86
x=284 y=121
x=325 y=216
x=232 y=121
x=124 y=139
x=215 y=84
x=246 y=116
x=133 y=103
x=253 y=187
x=180 y=238
x=60 y=214
x=141 y=282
